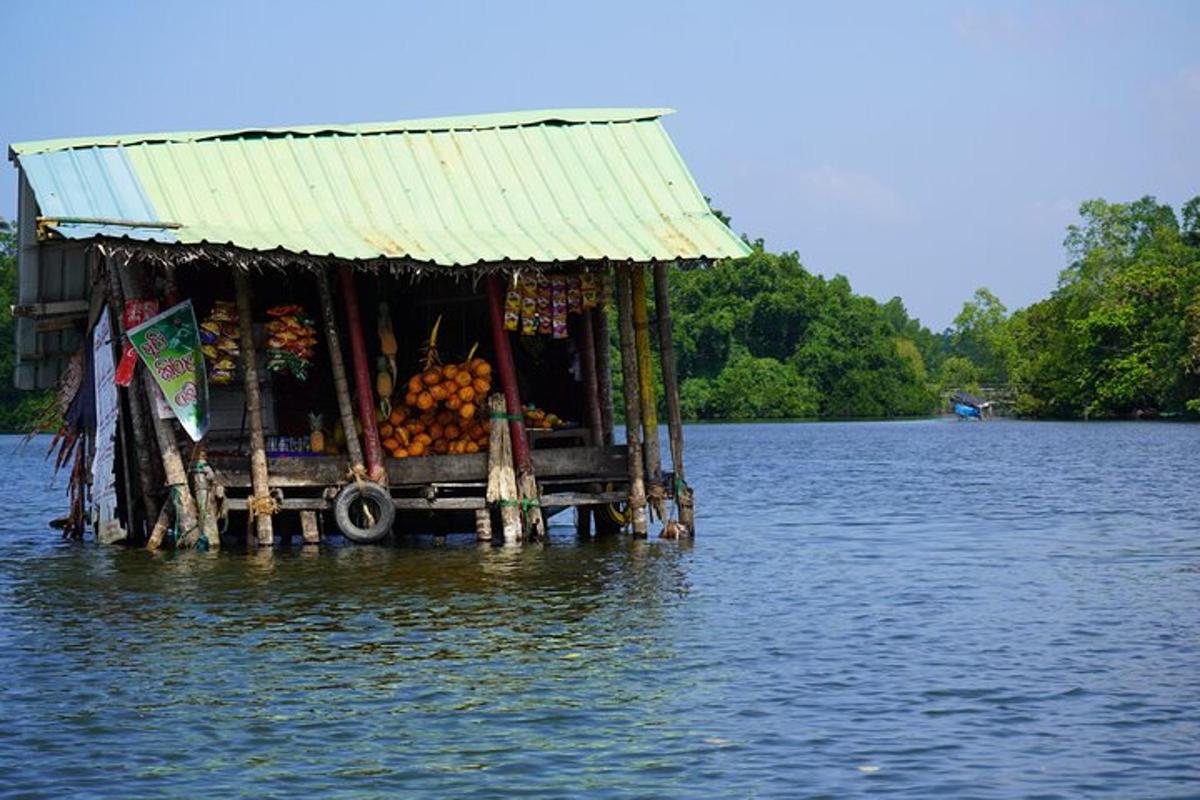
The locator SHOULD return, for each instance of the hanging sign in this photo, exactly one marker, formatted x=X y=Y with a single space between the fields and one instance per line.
x=169 y=346
x=104 y=479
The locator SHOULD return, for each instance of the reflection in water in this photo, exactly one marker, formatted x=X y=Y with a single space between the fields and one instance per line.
x=845 y=624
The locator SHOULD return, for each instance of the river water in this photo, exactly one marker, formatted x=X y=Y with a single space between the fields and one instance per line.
x=910 y=609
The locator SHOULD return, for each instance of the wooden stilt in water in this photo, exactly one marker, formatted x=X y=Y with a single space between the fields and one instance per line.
x=604 y=386
x=139 y=426
x=309 y=528
x=341 y=386
x=526 y=482
x=175 y=475
x=261 y=505
x=646 y=393
x=483 y=525
x=633 y=416
x=502 y=481
x=666 y=348
x=363 y=382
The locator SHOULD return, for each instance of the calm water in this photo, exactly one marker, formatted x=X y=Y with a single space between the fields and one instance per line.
x=909 y=609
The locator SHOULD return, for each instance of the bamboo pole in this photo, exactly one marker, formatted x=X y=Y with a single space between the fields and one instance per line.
x=138 y=423
x=341 y=385
x=633 y=417
x=666 y=348
x=526 y=482
x=646 y=394
x=604 y=386
x=260 y=504
x=362 y=380
x=174 y=473
x=502 y=482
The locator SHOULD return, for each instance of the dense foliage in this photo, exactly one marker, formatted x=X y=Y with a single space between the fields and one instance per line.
x=764 y=338
x=1120 y=336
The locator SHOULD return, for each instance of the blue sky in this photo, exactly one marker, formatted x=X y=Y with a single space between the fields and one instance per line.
x=921 y=149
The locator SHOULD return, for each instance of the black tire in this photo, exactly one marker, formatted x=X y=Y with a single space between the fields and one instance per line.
x=350 y=507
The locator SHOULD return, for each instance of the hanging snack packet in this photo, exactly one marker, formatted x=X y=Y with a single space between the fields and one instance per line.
x=558 y=306
x=512 y=307
x=529 y=315
x=574 y=295
x=545 y=325
x=587 y=289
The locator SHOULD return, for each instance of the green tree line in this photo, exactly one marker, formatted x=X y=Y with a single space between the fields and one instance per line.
x=1120 y=336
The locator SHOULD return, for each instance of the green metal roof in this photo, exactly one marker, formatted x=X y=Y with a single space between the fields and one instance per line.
x=545 y=186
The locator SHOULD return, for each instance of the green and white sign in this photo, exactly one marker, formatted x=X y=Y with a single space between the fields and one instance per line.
x=169 y=346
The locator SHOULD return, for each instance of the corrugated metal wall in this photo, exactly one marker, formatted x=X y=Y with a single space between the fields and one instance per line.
x=47 y=274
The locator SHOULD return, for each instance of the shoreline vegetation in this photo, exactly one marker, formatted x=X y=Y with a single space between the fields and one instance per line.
x=764 y=339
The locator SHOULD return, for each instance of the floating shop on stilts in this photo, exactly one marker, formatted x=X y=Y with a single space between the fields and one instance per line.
x=361 y=329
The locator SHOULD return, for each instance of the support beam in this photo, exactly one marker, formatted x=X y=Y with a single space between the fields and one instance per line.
x=604 y=386
x=633 y=416
x=138 y=423
x=341 y=386
x=591 y=386
x=646 y=393
x=372 y=449
x=666 y=348
x=262 y=505
x=526 y=482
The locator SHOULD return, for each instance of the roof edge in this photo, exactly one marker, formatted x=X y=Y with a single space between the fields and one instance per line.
x=513 y=119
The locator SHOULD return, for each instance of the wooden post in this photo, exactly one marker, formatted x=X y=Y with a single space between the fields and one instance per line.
x=646 y=394
x=633 y=417
x=666 y=348
x=526 y=482
x=502 y=482
x=341 y=386
x=591 y=388
x=483 y=525
x=260 y=504
x=604 y=386
x=308 y=527
x=175 y=475
x=138 y=423
x=362 y=379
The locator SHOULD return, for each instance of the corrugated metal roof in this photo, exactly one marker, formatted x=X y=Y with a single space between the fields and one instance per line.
x=533 y=186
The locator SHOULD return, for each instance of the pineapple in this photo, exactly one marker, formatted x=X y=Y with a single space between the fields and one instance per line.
x=316 y=436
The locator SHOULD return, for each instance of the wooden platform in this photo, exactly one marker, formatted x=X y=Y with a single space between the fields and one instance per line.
x=568 y=477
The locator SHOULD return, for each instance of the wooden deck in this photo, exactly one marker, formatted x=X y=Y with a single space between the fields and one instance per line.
x=569 y=476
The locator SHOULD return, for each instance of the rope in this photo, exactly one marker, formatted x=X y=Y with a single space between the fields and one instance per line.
x=525 y=504
x=265 y=504
x=358 y=473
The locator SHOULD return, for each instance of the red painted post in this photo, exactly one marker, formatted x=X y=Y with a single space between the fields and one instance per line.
x=508 y=373
x=362 y=379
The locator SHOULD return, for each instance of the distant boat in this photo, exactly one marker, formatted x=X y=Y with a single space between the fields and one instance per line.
x=968 y=406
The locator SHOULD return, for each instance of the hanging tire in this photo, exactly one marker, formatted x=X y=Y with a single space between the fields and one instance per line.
x=364 y=515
